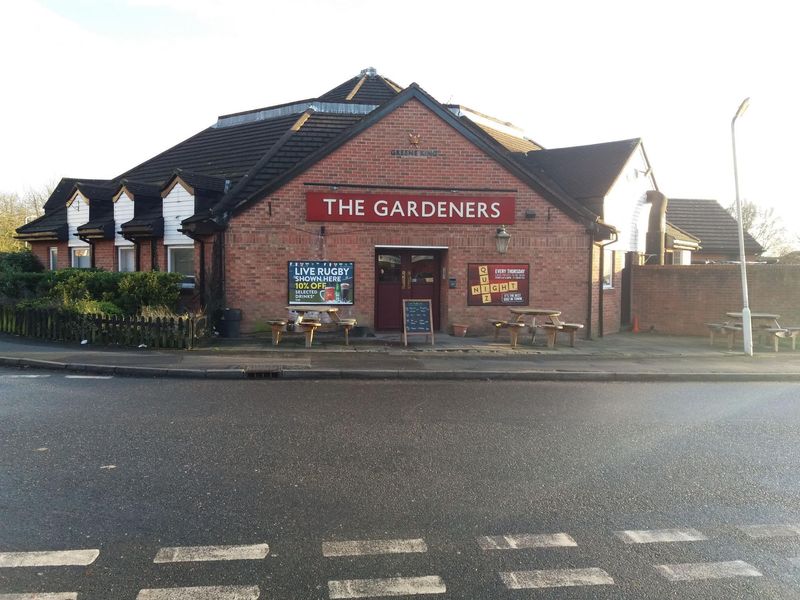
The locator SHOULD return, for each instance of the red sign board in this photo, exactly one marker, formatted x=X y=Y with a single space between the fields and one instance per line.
x=497 y=285
x=408 y=208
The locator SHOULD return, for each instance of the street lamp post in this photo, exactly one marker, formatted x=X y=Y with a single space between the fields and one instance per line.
x=747 y=324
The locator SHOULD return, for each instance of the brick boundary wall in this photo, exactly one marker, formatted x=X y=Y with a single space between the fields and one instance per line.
x=678 y=300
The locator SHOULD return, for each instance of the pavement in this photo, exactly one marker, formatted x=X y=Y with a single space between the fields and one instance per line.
x=618 y=357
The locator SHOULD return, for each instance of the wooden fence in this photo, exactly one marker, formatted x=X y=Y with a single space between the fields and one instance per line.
x=183 y=332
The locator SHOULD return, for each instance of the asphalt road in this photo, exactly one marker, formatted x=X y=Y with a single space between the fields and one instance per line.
x=128 y=467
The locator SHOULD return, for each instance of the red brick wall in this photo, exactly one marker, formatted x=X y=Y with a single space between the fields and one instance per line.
x=105 y=255
x=680 y=299
x=42 y=252
x=259 y=246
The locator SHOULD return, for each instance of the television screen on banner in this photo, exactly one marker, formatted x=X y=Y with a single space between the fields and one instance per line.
x=321 y=282
x=497 y=285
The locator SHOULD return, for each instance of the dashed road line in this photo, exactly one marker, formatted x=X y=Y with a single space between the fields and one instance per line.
x=551 y=578
x=525 y=540
x=22 y=377
x=41 y=596
x=213 y=592
x=768 y=531
x=89 y=376
x=55 y=558
x=370 y=547
x=715 y=570
x=394 y=586
x=655 y=536
x=210 y=553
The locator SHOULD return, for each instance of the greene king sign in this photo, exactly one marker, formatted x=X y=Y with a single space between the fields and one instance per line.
x=408 y=208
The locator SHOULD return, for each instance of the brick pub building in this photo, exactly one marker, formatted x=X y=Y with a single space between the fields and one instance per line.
x=396 y=194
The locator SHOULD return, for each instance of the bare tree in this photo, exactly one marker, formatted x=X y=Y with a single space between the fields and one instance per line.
x=17 y=210
x=765 y=226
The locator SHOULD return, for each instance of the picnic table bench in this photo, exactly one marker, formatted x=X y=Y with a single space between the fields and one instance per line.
x=308 y=326
x=766 y=327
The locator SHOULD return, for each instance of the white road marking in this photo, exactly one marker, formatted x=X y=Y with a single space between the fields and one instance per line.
x=768 y=531
x=209 y=553
x=716 y=570
x=89 y=376
x=55 y=558
x=525 y=540
x=525 y=580
x=41 y=596
x=653 y=536
x=22 y=377
x=395 y=586
x=212 y=592
x=367 y=547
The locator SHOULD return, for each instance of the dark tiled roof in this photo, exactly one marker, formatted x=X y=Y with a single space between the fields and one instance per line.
x=141 y=189
x=316 y=131
x=64 y=190
x=366 y=88
x=52 y=224
x=226 y=153
x=203 y=182
x=99 y=193
x=585 y=172
x=706 y=219
x=99 y=227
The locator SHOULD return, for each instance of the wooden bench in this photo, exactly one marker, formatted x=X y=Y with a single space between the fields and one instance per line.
x=791 y=333
x=513 y=329
x=306 y=326
x=347 y=325
x=714 y=329
x=278 y=327
x=730 y=330
x=555 y=325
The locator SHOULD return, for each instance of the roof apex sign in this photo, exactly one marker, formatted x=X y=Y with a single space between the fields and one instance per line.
x=409 y=208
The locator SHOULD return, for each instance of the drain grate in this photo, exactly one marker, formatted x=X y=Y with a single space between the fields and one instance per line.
x=263 y=373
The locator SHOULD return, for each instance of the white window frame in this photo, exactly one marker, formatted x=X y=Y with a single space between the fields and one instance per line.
x=75 y=249
x=120 y=250
x=608 y=269
x=185 y=283
x=53 y=257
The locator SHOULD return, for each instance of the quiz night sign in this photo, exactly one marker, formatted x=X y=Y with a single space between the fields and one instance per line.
x=497 y=285
x=321 y=282
x=408 y=208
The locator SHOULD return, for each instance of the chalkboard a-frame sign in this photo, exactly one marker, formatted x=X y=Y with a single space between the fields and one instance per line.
x=417 y=319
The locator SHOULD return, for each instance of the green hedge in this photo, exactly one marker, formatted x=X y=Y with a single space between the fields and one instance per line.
x=91 y=290
x=22 y=261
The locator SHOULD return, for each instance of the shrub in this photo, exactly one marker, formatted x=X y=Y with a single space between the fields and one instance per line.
x=89 y=290
x=136 y=290
x=23 y=261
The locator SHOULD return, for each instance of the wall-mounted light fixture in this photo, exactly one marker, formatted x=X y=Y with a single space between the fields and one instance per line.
x=502 y=237
x=530 y=213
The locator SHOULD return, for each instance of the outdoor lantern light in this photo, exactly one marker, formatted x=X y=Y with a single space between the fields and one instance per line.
x=502 y=237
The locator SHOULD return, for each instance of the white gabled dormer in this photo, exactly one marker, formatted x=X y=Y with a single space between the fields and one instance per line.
x=77 y=215
x=123 y=212
x=178 y=205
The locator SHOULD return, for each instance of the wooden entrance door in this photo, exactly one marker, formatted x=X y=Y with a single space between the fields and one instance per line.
x=405 y=275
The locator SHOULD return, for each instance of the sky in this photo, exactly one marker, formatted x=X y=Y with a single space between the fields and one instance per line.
x=91 y=88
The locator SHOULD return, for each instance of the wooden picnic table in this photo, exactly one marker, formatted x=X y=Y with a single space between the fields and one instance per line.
x=522 y=312
x=309 y=326
x=766 y=325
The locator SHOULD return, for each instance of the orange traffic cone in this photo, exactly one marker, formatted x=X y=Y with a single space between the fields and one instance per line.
x=635 y=324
